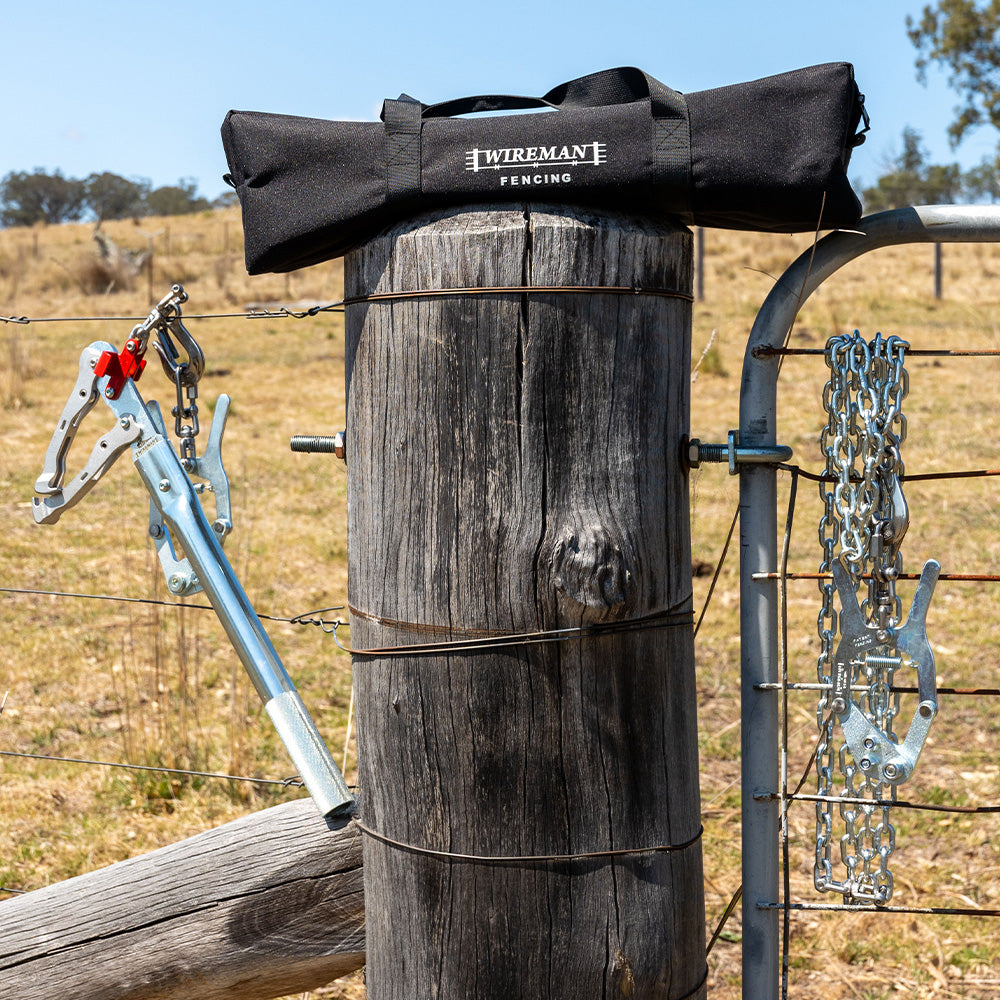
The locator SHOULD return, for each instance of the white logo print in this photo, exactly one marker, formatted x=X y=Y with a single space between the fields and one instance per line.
x=521 y=157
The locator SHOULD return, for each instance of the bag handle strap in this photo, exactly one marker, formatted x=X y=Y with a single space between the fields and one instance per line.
x=484 y=102
x=612 y=86
x=670 y=139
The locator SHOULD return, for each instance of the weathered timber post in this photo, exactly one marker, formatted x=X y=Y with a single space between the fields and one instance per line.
x=514 y=466
x=267 y=905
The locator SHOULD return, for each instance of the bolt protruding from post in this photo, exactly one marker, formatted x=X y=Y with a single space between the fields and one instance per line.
x=696 y=452
x=324 y=444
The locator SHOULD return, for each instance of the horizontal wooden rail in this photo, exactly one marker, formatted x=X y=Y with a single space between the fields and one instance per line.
x=267 y=905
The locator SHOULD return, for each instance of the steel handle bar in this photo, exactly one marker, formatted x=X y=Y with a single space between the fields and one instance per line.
x=174 y=496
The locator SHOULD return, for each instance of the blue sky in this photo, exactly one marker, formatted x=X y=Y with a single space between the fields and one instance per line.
x=141 y=89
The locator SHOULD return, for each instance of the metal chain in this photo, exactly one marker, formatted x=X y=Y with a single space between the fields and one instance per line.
x=864 y=517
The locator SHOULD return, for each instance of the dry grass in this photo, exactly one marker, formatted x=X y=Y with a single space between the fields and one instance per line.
x=131 y=682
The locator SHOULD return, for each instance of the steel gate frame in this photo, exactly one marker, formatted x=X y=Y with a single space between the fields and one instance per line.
x=759 y=716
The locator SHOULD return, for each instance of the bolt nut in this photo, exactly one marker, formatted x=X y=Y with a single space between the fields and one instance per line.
x=340 y=445
x=890 y=772
x=126 y=423
x=839 y=706
x=156 y=531
x=865 y=764
x=164 y=485
x=176 y=583
x=869 y=743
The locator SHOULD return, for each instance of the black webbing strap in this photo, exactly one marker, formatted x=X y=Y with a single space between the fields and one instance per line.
x=671 y=129
x=402 y=137
x=671 y=143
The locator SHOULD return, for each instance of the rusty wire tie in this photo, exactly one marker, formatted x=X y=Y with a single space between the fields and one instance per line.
x=425 y=293
x=486 y=640
x=526 y=859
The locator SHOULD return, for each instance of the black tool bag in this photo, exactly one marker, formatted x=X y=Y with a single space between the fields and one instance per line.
x=769 y=155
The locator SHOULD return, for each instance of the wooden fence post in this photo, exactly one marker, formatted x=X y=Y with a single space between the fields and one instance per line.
x=514 y=466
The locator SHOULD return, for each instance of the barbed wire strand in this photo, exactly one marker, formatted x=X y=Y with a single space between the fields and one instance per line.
x=901 y=803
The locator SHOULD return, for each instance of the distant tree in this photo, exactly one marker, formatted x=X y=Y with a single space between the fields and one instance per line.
x=911 y=180
x=179 y=199
x=40 y=197
x=226 y=200
x=112 y=197
x=982 y=183
x=963 y=36
x=944 y=184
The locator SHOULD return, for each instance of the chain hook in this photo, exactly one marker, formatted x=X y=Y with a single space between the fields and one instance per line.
x=194 y=367
x=185 y=374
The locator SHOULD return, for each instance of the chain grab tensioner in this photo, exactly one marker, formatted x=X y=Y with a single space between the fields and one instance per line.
x=176 y=512
x=865 y=512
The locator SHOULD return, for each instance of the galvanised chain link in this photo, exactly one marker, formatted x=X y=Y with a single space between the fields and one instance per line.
x=864 y=519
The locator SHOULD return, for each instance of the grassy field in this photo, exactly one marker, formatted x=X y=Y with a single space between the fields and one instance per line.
x=146 y=684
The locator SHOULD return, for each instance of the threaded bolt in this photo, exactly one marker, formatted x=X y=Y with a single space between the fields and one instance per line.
x=322 y=444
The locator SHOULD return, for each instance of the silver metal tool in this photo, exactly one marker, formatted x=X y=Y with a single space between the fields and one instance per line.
x=176 y=516
x=874 y=751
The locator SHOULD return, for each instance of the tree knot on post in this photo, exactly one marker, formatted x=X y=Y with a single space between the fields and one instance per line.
x=593 y=567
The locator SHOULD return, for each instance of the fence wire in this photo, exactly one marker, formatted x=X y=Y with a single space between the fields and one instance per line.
x=281 y=312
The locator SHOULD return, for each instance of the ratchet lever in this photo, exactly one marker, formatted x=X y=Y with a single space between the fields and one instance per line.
x=874 y=751
x=55 y=497
x=81 y=401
